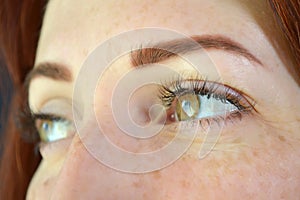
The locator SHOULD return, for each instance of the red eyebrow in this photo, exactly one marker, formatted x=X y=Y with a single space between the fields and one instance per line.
x=157 y=53
x=166 y=50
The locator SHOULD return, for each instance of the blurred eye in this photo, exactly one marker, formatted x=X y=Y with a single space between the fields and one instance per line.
x=51 y=128
x=202 y=100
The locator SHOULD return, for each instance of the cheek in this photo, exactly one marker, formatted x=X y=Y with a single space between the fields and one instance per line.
x=268 y=163
x=272 y=168
x=45 y=178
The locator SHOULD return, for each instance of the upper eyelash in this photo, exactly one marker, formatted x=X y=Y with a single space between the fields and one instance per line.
x=47 y=117
x=168 y=91
x=26 y=122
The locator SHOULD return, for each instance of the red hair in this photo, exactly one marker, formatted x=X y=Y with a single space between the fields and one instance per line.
x=19 y=27
x=20 y=23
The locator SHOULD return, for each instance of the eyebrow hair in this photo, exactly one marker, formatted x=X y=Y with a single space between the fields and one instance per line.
x=55 y=71
x=166 y=50
x=157 y=53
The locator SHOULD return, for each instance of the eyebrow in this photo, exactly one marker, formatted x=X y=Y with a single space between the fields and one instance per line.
x=55 y=71
x=166 y=50
x=159 y=52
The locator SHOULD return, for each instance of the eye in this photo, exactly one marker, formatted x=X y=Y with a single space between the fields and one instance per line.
x=51 y=128
x=192 y=106
x=202 y=100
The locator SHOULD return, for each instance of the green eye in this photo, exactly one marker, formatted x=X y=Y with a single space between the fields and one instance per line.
x=187 y=107
x=192 y=106
x=194 y=99
x=53 y=129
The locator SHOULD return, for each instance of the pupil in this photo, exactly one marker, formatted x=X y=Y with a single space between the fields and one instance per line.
x=186 y=106
x=45 y=126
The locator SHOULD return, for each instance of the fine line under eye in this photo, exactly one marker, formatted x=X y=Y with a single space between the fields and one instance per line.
x=200 y=99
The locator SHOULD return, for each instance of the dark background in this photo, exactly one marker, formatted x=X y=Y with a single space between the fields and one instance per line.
x=6 y=91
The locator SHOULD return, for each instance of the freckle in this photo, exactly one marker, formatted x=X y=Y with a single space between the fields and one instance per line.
x=185 y=184
x=255 y=154
x=145 y=195
x=281 y=138
x=46 y=183
x=137 y=184
x=156 y=175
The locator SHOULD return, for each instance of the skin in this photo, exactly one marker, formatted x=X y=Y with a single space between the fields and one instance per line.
x=255 y=157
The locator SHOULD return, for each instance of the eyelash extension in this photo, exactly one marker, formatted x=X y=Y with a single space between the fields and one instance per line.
x=170 y=90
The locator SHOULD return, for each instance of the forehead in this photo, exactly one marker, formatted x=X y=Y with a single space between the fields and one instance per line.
x=72 y=28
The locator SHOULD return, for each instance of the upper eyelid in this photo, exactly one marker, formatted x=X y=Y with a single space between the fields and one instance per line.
x=56 y=106
x=183 y=77
x=197 y=79
x=59 y=71
x=44 y=116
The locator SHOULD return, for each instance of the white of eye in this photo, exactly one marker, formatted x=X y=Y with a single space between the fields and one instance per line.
x=211 y=107
x=53 y=130
x=191 y=106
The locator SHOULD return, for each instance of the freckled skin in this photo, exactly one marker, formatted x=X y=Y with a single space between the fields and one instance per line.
x=256 y=157
x=243 y=174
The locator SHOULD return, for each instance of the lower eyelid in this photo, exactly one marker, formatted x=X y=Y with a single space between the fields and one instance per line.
x=59 y=147
x=206 y=123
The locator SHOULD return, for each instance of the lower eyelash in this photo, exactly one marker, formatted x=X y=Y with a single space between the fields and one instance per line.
x=206 y=123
